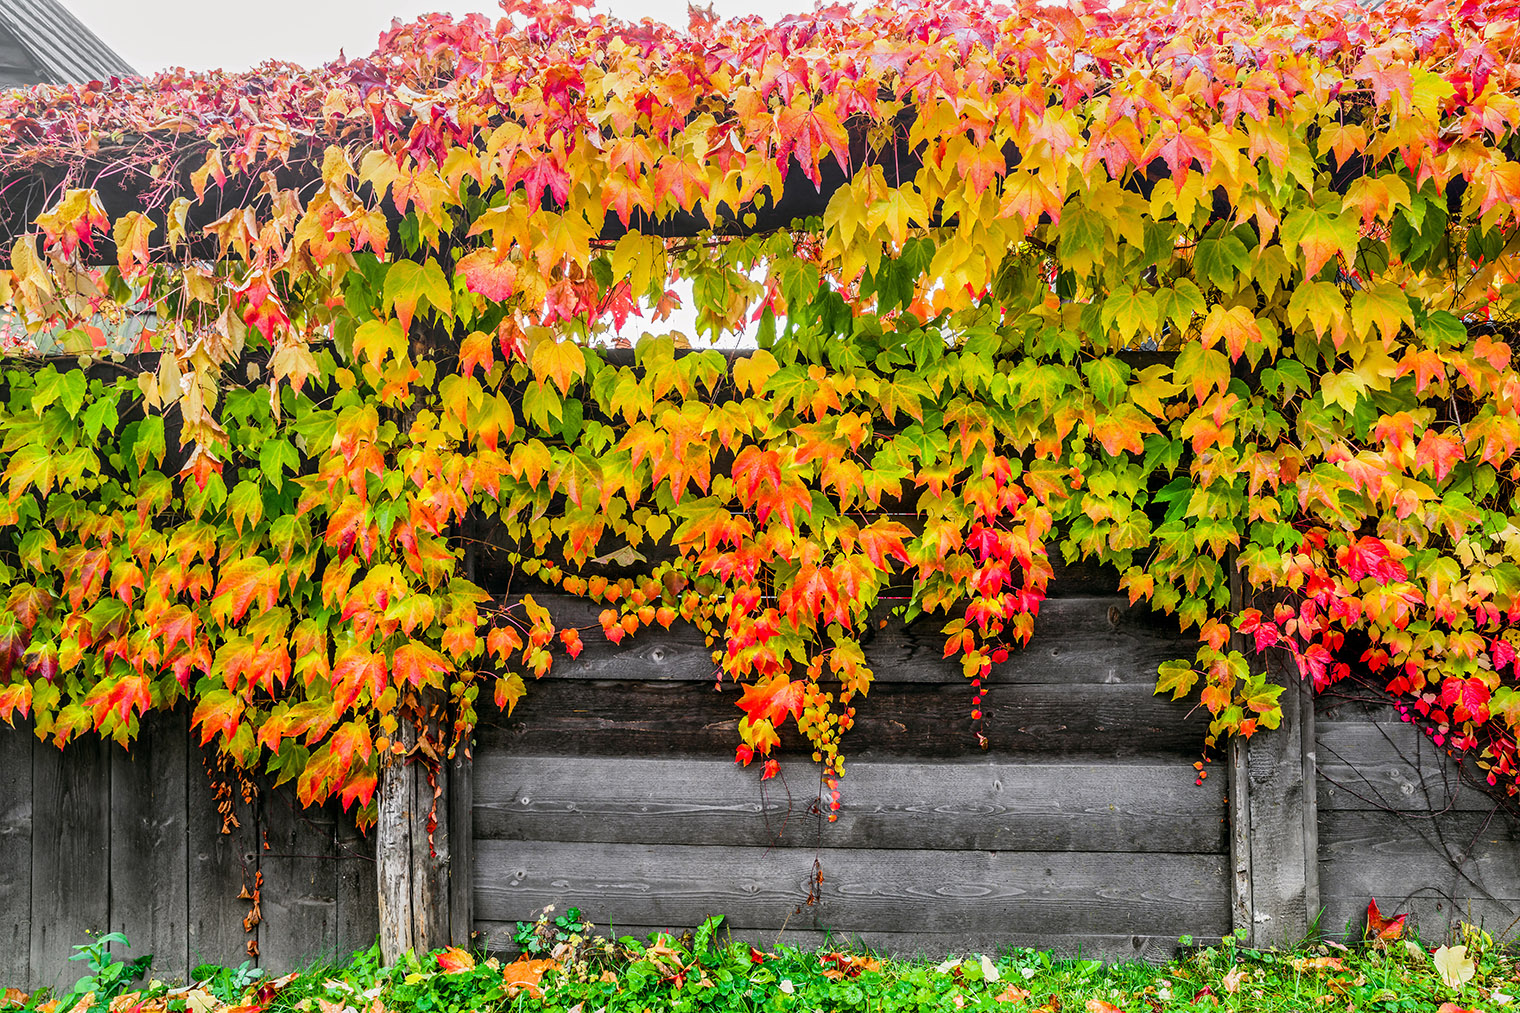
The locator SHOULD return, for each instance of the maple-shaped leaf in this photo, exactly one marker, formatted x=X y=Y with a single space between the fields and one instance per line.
x=409 y=284
x=416 y=663
x=73 y=220
x=487 y=273
x=1382 y=928
x=453 y=960
x=560 y=360
x=1320 y=236
x=773 y=699
x=248 y=581
x=807 y=133
x=130 y=234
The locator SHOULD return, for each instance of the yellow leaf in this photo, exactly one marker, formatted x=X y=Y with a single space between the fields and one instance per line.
x=1454 y=966
x=753 y=372
x=560 y=360
x=131 y=234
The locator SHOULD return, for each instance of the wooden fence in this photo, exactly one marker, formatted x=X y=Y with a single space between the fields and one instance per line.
x=1078 y=826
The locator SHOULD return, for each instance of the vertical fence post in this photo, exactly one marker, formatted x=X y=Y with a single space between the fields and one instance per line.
x=422 y=851
x=1273 y=819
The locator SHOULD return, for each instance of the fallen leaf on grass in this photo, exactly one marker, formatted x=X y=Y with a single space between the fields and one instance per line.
x=198 y=1000
x=1454 y=966
x=12 y=997
x=989 y=970
x=1316 y=963
x=1012 y=994
x=1232 y=979
x=1385 y=929
x=1099 y=1006
x=523 y=975
x=454 y=960
x=1451 y=1007
x=846 y=965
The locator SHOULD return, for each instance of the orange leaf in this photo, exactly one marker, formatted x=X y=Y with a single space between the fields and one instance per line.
x=454 y=960
x=524 y=975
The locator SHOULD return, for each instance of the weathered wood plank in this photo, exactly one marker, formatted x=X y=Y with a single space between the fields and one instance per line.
x=298 y=857
x=1100 y=640
x=412 y=853
x=1459 y=865
x=559 y=717
x=461 y=816
x=71 y=854
x=1389 y=765
x=1283 y=873
x=979 y=805
x=16 y=855
x=497 y=938
x=149 y=813
x=221 y=865
x=358 y=923
x=861 y=890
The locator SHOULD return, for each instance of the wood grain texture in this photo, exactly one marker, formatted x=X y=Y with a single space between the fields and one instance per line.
x=1458 y=865
x=1389 y=765
x=358 y=923
x=899 y=722
x=299 y=860
x=16 y=855
x=1281 y=868
x=461 y=813
x=861 y=890
x=497 y=937
x=221 y=865
x=71 y=854
x=975 y=805
x=1101 y=640
x=149 y=844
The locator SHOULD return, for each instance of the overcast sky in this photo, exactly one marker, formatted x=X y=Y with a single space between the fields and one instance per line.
x=237 y=34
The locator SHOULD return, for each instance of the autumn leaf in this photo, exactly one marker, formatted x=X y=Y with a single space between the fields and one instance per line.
x=409 y=284
x=1454 y=966
x=453 y=960
x=1386 y=929
x=560 y=360
x=772 y=699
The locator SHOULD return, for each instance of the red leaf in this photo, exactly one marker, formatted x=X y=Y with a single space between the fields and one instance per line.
x=772 y=699
x=1379 y=927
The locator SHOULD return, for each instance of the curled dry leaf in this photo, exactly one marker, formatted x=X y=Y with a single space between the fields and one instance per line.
x=1012 y=994
x=524 y=975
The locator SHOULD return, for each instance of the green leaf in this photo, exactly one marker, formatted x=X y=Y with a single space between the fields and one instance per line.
x=408 y=284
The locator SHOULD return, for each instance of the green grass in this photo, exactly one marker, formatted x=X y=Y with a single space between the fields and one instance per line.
x=705 y=972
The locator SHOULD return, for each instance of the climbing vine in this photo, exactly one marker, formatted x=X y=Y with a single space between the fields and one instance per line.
x=1198 y=292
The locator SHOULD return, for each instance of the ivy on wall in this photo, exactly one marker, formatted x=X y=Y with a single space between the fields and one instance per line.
x=1178 y=289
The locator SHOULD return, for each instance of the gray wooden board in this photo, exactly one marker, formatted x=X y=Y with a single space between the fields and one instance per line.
x=358 y=917
x=1076 y=640
x=298 y=857
x=1381 y=765
x=975 y=805
x=71 y=854
x=15 y=855
x=1465 y=854
x=220 y=866
x=862 y=889
x=461 y=799
x=496 y=937
x=149 y=902
x=1281 y=868
x=902 y=721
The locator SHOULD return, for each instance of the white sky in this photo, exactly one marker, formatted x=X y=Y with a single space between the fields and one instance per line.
x=237 y=34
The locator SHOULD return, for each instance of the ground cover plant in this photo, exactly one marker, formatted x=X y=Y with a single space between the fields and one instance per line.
x=704 y=971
